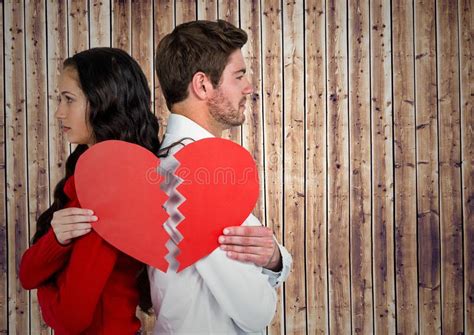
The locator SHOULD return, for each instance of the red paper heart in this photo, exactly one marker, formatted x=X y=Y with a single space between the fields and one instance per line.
x=221 y=188
x=119 y=181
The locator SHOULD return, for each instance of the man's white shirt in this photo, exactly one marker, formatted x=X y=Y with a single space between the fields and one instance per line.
x=216 y=295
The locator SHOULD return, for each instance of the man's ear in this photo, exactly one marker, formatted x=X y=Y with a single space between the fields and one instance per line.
x=201 y=85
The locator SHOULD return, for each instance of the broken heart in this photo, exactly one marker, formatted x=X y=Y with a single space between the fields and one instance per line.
x=145 y=209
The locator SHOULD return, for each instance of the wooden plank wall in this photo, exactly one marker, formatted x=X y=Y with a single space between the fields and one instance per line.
x=362 y=126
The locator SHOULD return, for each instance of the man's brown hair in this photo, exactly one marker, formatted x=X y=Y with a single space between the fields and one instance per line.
x=192 y=47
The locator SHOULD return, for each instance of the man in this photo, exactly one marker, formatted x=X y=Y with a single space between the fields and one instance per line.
x=202 y=75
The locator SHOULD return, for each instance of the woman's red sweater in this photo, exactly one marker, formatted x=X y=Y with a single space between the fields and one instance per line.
x=85 y=287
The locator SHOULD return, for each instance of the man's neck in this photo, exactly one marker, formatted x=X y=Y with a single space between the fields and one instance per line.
x=198 y=116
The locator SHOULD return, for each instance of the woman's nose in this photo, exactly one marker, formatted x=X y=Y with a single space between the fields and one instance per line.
x=60 y=114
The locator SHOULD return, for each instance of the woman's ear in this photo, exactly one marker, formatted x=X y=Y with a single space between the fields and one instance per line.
x=201 y=86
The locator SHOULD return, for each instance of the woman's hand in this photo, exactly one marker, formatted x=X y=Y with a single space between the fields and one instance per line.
x=71 y=222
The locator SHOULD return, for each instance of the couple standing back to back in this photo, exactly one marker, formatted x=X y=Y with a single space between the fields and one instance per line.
x=202 y=74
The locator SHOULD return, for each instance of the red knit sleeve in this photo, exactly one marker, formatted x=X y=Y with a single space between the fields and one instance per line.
x=42 y=260
x=47 y=256
x=69 y=305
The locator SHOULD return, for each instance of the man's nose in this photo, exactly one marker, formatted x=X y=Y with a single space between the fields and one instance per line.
x=248 y=87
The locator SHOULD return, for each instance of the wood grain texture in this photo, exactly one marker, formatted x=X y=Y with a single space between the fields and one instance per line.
x=466 y=53
x=78 y=25
x=361 y=125
x=185 y=11
x=273 y=123
x=382 y=169
x=294 y=164
x=142 y=50
x=229 y=11
x=316 y=169
x=3 y=205
x=338 y=169
x=405 y=170
x=360 y=167
x=37 y=132
x=207 y=9
x=99 y=23
x=142 y=38
x=16 y=172
x=122 y=25
x=164 y=24
x=449 y=167
x=57 y=53
x=252 y=129
x=427 y=168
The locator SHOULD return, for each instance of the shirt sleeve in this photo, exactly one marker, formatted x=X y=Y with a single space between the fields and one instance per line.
x=240 y=288
x=42 y=260
x=70 y=303
x=275 y=279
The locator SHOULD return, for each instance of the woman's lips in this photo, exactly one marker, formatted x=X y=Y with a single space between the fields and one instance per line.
x=66 y=129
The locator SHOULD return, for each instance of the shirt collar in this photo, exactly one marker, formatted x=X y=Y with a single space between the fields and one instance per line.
x=181 y=127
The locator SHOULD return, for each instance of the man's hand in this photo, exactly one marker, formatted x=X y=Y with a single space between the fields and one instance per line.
x=252 y=244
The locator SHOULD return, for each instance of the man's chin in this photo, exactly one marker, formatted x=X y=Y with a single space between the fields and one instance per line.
x=239 y=121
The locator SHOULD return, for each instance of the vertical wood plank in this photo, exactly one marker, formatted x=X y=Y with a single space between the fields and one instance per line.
x=360 y=168
x=16 y=173
x=294 y=165
x=78 y=26
x=164 y=24
x=382 y=162
x=3 y=193
x=142 y=38
x=449 y=167
x=427 y=168
x=185 y=11
x=466 y=44
x=252 y=129
x=121 y=25
x=316 y=172
x=404 y=164
x=207 y=9
x=273 y=122
x=57 y=53
x=100 y=20
x=78 y=30
x=142 y=51
x=338 y=169
x=229 y=11
x=37 y=131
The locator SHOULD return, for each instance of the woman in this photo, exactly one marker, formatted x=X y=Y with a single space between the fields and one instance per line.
x=86 y=286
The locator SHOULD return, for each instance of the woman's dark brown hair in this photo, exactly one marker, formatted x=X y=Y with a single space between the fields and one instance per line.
x=119 y=103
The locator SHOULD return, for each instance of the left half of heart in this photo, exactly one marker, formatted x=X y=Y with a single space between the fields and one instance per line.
x=124 y=191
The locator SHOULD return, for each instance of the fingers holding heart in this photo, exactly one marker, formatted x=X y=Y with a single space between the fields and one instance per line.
x=70 y=223
x=248 y=231
x=262 y=242
x=249 y=244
